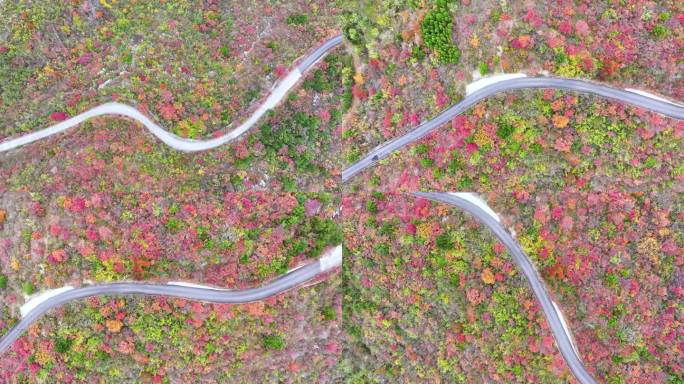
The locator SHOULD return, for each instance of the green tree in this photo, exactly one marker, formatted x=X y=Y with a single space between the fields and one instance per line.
x=436 y=29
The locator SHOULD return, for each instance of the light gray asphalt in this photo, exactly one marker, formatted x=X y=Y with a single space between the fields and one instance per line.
x=285 y=282
x=641 y=101
x=174 y=141
x=321 y=51
x=525 y=265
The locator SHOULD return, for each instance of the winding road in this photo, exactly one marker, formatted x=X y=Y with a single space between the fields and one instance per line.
x=333 y=258
x=554 y=317
x=330 y=260
x=174 y=141
x=485 y=215
x=641 y=100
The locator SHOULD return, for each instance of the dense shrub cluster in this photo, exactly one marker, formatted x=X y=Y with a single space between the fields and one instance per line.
x=297 y=19
x=436 y=29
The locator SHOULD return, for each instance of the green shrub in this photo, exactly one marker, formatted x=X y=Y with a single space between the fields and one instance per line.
x=536 y=148
x=317 y=82
x=273 y=342
x=461 y=266
x=418 y=52
x=382 y=249
x=300 y=130
x=326 y=232
x=3 y=281
x=495 y=16
x=660 y=31
x=329 y=313
x=354 y=155
x=353 y=34
x=354 y=26
x=371 y=206
x=612 y=280
x=273 y=46
x=28 y=288
x=63 y=344
x=466 y=182
x=173 y=225
x=650 y=162
x=444 y=241
x=298 y=247
x=173 y=209
x=504 y=130
x=225 y=51
x=483 y=68
x=375 y=179
x=297 y=19
x=387 y=229
x=421 y=148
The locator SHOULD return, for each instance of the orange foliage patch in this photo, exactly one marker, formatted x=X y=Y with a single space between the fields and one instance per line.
x=488 y=276
x=113 y=325
x=560 y=121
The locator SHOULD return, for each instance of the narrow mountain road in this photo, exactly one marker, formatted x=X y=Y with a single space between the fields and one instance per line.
x=646 y=101
x=170 y=139
x=553 y=316
x=333 y=258
x=330 y=260
x=485 y=215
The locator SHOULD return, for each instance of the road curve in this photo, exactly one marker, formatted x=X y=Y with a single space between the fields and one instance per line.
x=331 y=259
x=560 y=333
x=174 y=141
x=650 y=102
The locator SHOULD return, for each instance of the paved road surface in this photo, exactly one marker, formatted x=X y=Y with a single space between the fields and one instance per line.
x=329 y=260
x=170 y=139
x=563 y=338
x=649 y=102
x=305 y=273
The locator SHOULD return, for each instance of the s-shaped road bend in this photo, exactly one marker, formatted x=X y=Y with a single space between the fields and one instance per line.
x=330 y=260
x=278 y=92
